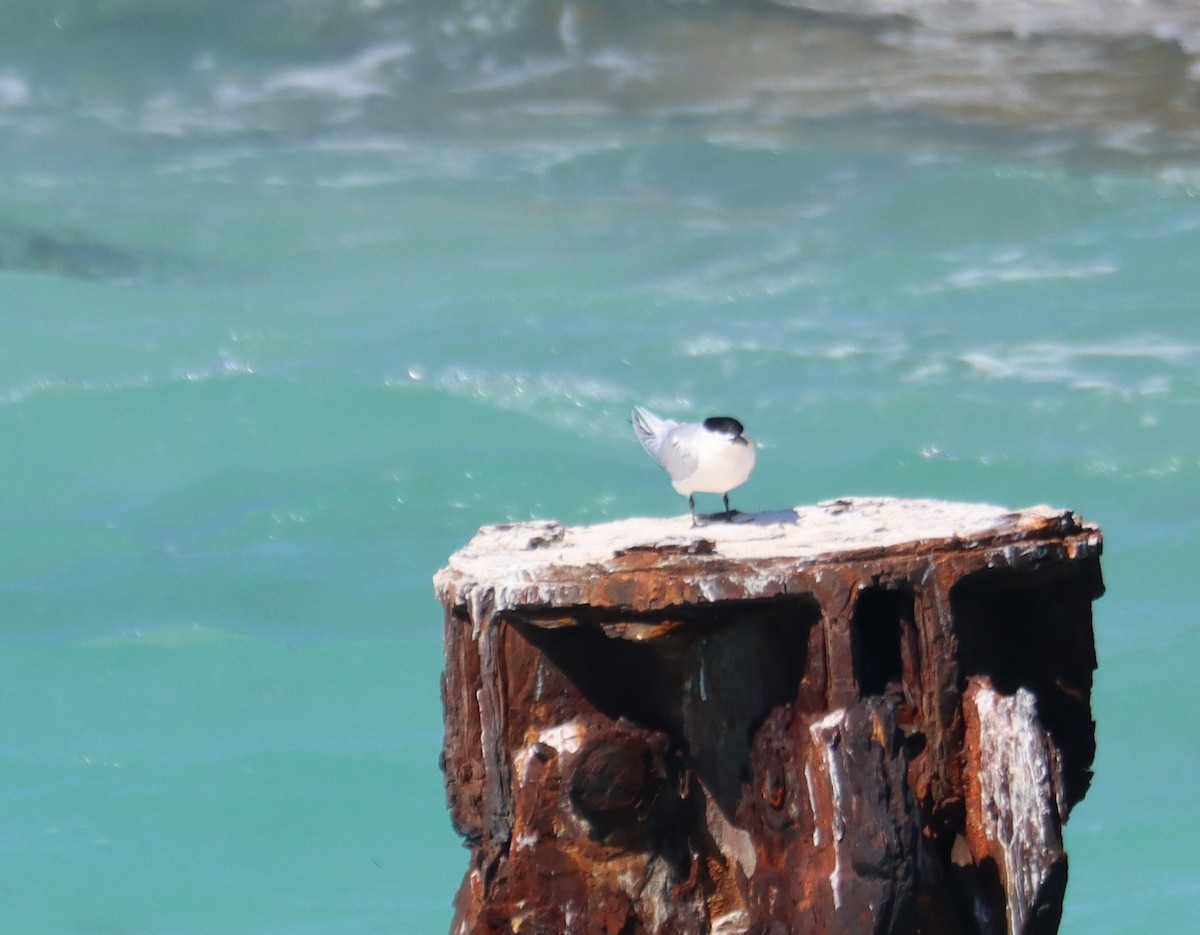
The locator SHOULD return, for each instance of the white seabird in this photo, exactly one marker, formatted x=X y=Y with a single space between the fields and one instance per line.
x=713 y=456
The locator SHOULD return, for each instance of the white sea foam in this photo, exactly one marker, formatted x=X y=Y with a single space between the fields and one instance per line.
x=223 y=365
x=206 y=161
x=360 y=145
x=355 y=78
x=1086 y=366
x=559 y=399
x=980 y=276
x=708 y=345
x=357 y=180
x=14 y=90
x=980 y=61
x=233 y=103
x=1164 y=20
x=497 y=78
x=168 y=114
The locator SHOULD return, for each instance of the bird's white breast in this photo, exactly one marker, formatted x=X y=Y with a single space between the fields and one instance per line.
x=721 y=465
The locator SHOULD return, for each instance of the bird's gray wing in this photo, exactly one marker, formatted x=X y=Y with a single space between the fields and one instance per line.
x=661 y=439
x=676 y=455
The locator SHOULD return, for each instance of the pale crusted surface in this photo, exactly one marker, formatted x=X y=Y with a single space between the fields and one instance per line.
x=532 y=562
x=1018 y=805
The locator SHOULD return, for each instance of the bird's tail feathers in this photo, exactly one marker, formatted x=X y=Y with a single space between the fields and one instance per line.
x=649 y=428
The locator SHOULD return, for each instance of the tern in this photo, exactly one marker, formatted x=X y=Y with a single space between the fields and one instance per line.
x=712 y=456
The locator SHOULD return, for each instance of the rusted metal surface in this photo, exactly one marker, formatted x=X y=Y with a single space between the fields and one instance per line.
x=868 y=715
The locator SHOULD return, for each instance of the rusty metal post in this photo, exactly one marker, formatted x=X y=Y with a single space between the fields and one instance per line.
x=869 y=715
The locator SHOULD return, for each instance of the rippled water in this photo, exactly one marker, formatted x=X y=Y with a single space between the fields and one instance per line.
x=297 y=295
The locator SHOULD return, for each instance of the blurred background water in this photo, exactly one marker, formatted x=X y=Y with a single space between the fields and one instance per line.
x=296 y=294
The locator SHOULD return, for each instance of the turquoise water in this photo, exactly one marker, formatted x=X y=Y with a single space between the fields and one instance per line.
x=297 y=295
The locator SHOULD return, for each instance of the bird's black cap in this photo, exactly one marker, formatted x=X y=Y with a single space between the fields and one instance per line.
x=724 y=424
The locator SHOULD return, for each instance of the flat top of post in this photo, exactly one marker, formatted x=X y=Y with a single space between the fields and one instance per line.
x=544 y=562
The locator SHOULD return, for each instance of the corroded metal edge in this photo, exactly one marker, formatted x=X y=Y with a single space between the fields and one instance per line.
x=548 y=565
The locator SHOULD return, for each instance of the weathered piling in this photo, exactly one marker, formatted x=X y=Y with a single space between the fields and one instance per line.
x=866 y=715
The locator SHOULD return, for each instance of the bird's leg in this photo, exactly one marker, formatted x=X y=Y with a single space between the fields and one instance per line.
x=692 y=508
x=728 y=515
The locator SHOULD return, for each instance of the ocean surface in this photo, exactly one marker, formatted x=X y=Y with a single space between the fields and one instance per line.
x=297 y=294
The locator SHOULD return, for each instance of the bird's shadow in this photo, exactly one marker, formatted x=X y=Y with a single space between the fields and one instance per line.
x=762 y=518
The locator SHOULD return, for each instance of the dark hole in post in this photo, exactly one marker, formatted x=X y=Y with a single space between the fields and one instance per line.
x=882 y=618
x=709 y=683
x=1032 y=629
